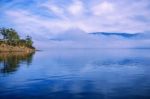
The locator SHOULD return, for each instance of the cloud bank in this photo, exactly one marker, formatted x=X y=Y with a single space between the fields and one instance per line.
x=44 y=19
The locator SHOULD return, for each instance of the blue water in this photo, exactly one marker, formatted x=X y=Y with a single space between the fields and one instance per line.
x=76 y=74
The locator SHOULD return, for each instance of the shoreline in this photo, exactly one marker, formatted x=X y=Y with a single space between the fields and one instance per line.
x=9 y=48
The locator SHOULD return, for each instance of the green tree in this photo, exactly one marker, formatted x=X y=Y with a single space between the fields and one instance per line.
x=9 y=34
x=29 y=41
x=3 y=32
x=11 y=37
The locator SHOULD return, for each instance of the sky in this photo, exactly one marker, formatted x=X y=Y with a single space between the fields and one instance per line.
x=43 y=18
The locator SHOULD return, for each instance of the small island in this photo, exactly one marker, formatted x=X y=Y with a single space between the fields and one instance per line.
x=10 y=41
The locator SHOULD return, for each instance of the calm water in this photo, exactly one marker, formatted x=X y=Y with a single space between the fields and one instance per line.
x=76 y=74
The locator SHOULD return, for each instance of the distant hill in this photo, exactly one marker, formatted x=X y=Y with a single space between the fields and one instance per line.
x=79 y=35
x=77 y=38
x=126 y=35
x=123 y=35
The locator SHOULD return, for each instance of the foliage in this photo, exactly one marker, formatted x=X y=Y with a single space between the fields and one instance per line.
x=11 y=37
x=29 y=41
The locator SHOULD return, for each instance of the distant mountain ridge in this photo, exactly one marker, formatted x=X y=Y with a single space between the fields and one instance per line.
x=76 y=38
x=79 y=35
x=123 y=35
x=127 y=35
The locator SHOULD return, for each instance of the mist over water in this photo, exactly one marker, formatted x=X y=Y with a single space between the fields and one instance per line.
x=76 y=38
x=79 y=74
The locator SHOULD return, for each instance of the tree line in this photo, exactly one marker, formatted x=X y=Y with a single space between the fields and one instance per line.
x=11 y=37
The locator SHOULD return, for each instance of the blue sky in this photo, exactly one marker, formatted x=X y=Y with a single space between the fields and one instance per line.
x=43 y=18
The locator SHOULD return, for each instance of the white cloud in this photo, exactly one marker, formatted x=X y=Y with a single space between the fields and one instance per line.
x=31 y=23
x=52 y=7
x=56 y=9
x=76 y=8
x=93 y=17
x=103 y=8
x=104 y=15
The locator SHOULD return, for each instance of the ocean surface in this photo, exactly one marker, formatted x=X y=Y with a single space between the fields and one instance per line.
x=76 y=74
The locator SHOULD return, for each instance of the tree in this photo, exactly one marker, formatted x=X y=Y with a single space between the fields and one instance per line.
x=9 y=34
x=29 y=41
x=11 y=37
x=3 y=32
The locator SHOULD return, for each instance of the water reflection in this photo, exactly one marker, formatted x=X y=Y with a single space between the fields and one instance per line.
x=78 y=74
x=9 y=62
